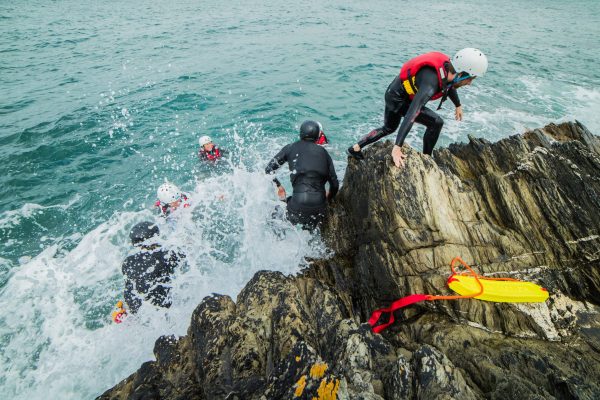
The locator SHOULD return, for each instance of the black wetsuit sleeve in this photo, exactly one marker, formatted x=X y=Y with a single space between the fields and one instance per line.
x=453 y=96
x=276 y=162
x=334 y=184
x=131 y=298
x=428 y=85
x=172 y=262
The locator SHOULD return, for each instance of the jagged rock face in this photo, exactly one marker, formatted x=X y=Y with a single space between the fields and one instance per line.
x=525 y=207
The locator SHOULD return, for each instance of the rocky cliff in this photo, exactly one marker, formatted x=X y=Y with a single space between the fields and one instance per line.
x=526 y=207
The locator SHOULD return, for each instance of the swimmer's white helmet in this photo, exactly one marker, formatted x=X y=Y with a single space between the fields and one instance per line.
x=204 y=140
x=168 y=193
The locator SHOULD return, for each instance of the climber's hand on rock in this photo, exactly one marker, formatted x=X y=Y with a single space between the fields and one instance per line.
x=398 y=156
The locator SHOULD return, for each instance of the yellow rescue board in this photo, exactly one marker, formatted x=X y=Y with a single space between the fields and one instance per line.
x=498 y=291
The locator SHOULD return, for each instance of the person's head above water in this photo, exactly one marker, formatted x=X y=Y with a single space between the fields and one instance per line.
x=206 y=143
x=469 y=64
x=169 y=194
x=309 y=130
x=142 y=232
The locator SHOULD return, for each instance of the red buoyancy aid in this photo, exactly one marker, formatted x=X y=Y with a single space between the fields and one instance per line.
x=322 y=139
x=410 y=68
x=165 y=209
x=212 y=155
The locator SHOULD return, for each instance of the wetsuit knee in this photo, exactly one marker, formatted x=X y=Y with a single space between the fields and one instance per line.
x=432 y=134
x=386 y=130
x=438 y=123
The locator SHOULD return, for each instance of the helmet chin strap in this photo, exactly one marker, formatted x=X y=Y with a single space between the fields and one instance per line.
x=463 y=76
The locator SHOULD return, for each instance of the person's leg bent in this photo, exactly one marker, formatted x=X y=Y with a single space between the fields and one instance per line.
x=434 y=124
x=391 y=120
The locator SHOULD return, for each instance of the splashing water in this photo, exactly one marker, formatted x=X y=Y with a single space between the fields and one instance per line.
x=60 y=302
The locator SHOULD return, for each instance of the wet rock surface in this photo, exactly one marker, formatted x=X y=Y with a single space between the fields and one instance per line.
x=527 y=207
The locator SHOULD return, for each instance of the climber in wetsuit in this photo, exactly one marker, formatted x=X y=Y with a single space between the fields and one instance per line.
x=427 y=77
x=148 y=272
x=311 y=167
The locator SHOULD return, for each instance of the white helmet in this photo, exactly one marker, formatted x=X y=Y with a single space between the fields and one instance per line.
x=168 y=193
x=204 y=140
x=471 y=61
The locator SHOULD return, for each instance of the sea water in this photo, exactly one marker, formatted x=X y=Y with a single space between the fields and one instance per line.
x=101 y=102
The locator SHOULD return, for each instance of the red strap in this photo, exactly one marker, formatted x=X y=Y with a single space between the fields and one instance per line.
x=415 y=298
x=403 y=302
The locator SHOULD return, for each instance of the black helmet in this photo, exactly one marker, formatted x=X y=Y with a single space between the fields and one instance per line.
x=143 y=231
x=309 y=130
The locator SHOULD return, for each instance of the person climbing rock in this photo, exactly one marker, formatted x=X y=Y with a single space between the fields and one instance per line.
x=311 y=168
x=426 y=77
x=148 y=272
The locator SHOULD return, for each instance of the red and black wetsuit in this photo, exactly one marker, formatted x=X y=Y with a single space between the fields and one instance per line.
x=165 y=209
x=212 y=155
x=398 y=104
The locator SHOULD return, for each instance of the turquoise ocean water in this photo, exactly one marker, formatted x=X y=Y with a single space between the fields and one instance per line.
x=102 y=101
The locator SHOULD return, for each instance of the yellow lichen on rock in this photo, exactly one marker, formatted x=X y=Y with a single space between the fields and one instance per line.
x=318 y=370
x=328 y=390
x=300 y=386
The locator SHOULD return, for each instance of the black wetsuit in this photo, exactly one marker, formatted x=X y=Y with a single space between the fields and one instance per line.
x=398 y=105
x=147 y=277
x=311 y=167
